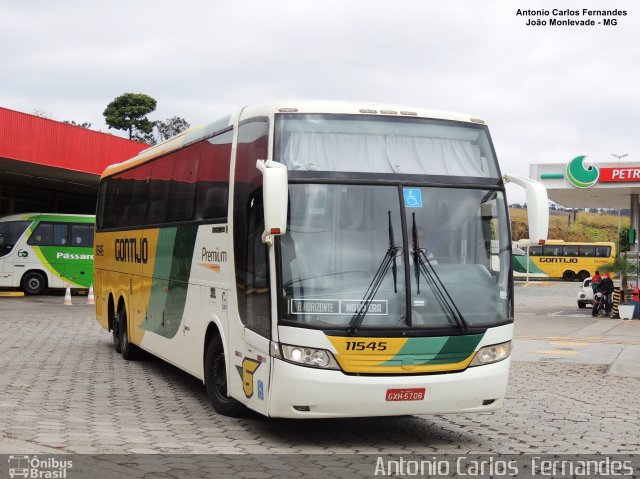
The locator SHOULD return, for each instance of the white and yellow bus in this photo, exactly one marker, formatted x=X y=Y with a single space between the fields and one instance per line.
x=46 y=250
x=317 y=259
x=557 y=259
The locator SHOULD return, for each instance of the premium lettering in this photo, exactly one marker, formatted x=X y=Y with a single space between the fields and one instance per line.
x=214 y=256
x=130 y=250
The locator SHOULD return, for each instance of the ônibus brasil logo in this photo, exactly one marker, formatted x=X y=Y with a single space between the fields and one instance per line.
x=581 y=176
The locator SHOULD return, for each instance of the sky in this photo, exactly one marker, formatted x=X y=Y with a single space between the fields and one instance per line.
x=548 y=93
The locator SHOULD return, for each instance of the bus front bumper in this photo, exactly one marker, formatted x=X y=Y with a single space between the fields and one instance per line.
x=301 y=392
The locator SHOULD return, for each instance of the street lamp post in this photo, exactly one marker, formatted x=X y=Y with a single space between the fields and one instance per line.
x=619 y=157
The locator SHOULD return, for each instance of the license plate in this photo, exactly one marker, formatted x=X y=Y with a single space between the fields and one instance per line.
x=407 y=394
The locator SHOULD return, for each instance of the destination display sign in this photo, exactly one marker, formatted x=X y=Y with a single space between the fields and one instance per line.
x=335 y=306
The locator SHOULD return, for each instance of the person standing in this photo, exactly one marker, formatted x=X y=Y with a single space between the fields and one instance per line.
x=595 y=280
x=605 y=286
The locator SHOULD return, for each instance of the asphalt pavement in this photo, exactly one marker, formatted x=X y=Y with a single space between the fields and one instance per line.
x=550 y=327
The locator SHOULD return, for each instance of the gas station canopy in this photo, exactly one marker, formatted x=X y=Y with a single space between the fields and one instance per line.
x=581 y=184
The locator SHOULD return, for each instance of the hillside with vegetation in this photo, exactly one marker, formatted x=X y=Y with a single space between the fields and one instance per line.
x=573 y=225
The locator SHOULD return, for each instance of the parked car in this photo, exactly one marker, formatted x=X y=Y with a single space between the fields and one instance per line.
x=585 y=295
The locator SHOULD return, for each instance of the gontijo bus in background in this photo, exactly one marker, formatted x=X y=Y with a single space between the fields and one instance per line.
x=42 y=250
x=317 y=260
x=557 y=259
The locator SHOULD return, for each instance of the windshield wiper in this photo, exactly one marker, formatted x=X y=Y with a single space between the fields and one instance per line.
x=422 y=264
x=390 y=259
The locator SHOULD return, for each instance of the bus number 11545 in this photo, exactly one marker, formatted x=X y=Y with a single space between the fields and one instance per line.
x=362 y=345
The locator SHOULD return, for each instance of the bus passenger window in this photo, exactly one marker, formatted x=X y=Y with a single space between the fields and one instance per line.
x=42 y=236
x=570 y=251
x=212 y=195
x=82 y=235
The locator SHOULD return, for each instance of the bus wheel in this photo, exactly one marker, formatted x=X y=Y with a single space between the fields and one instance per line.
x=33 y=283
x=115 y=331
x=127 y=349
x=569 y=275
x=582 y=275
x=215 y=380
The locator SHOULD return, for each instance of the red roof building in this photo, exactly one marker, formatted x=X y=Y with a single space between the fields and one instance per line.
x=49 y=166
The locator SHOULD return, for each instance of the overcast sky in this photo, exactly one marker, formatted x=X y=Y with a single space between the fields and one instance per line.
x=548 y=93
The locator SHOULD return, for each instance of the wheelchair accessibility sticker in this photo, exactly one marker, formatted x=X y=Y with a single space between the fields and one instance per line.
x=412 y=197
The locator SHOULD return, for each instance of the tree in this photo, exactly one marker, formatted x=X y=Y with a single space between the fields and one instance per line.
x=621 y=268
x=623 y=239
x=86 y=124
x=129 y=112
x=170 y=127
x=41 y=113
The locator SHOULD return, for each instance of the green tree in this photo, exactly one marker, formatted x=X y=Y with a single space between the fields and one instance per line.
x=170 y=127
x=42 y=113
x=129 y=112
x=622 y=269
x=623 y=239
x=86 y=124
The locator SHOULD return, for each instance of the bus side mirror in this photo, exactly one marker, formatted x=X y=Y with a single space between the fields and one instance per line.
x=275 y=192
x=537 y=207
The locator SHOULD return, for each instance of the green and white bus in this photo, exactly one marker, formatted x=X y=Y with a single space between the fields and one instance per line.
x=317 y=259
x=46 y=250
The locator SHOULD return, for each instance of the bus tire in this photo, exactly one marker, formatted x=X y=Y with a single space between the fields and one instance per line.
x=569 y=275
x=127 y=349
x=115 y=332
x=215 y=380
x=583 y=274
x=33 y=283
x=114 y=325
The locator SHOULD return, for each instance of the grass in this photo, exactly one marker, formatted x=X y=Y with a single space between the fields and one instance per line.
x=586 y=227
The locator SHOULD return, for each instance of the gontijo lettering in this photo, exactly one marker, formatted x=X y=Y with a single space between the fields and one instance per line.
x=130 y=250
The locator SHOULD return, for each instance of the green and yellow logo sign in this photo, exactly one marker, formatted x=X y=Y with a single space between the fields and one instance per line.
x=249 y=366
x=580 y=175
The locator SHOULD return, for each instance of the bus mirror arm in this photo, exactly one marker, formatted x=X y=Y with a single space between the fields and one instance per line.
x=537 y=206
x=275 y=193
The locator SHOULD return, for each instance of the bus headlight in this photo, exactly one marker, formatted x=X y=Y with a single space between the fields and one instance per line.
x=491 y=354
x=314 y=358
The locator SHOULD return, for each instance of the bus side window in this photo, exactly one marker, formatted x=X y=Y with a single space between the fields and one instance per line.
x=82 y=235
x=587 y=251
x=212 y=195
x=570 y=251
x=42 y=236
x=60 y=234
x=182 y=186
x=159 y=190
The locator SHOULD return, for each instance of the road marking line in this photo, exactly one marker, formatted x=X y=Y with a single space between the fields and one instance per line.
x=558 y=351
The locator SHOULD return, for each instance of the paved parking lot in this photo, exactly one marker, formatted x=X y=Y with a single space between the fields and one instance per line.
x=65 y=390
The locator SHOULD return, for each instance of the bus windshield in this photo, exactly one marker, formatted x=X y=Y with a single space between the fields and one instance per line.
x=10 y=233
x=349 y=259
x=357 y=143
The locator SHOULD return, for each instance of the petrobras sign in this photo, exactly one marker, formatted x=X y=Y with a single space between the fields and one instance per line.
x=620 y=175
x=584 y=175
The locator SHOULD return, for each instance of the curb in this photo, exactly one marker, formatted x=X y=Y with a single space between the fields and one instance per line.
x=11 y=294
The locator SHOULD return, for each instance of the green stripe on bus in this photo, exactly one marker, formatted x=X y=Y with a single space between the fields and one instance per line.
x=171 y=271
x=520 y=265
x=436 y=350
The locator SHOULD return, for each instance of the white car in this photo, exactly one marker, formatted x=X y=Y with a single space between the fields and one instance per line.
x=585 y=295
